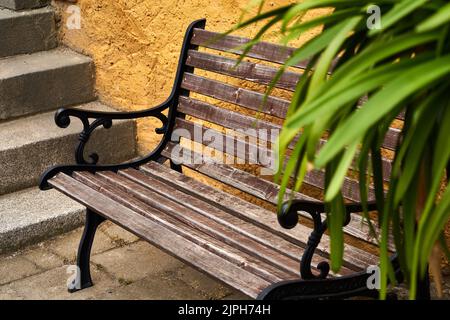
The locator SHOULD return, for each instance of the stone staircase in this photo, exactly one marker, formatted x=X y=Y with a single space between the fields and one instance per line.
x=36 y=78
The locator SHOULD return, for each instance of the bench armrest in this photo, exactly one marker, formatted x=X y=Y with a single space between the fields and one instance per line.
x=288 y=218
x=288 y=215
x=91 y=120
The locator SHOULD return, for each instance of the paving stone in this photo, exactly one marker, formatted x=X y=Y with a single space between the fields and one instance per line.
x=43 y=258
x=201 y=282
x=52 y=284
x=67 y=246
x=117 y=233
x=8 y=296
x=14 y=267
x=155 y=288
x=136 y=261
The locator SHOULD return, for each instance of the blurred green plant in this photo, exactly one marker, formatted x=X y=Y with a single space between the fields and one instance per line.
x=402 y=66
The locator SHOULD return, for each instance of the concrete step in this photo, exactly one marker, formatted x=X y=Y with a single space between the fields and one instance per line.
x=31 y=215
x=44 y=81
x=30 y=145
x=24 y=4
x=26 y=31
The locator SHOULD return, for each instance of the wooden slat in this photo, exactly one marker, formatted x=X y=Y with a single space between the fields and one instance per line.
x=259 y=233
x=252 y=154
x=236 y=221
x=238 y=257
x=244 y=150
x=264 y=190
x=210 y=220
x=355 y=258
x=163 y=238
x=391 y=139
x=242 y=180
x=238 y=121
x=250 y=71
x=227 y=118
x=232 y=94
x=262 y=50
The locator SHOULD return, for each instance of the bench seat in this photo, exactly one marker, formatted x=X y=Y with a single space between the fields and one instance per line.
x=236 y=242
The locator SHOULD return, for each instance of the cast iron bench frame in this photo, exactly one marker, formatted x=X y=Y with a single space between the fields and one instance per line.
x=311 y=285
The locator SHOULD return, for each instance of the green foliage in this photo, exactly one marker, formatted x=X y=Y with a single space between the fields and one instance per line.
x=405 y=65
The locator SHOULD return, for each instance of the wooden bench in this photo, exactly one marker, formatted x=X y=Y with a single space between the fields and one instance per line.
x=237 y=241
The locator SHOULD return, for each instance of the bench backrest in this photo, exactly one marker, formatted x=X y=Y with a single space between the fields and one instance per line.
x=215 y=90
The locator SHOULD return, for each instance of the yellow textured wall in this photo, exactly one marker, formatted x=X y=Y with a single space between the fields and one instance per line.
x=135 y=45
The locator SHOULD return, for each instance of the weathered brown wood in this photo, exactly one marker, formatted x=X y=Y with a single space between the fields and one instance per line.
x=238 y=121
x=258 y=232
x=245 y=98
x=265 y=190
x=238 y=257
x=229 y=119
x=256 y=154
x=240 y=222
x=236 y=95
x=244 y=150
x=391 y=139
x=161 y=237
x=245 y=70
x=356 y=258
x=244 y=236
x=262 y=50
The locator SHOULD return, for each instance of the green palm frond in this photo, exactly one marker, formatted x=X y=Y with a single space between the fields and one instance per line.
x=405 y=65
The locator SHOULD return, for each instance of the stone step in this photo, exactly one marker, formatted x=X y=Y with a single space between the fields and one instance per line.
x=24 y=4
x=31 y=215
x=30 y=145
x=44 y=81
x=27 y=31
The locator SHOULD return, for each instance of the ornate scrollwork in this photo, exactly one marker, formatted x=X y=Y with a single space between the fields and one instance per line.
x=288 y=218
x=62 y=119
x=313 y=241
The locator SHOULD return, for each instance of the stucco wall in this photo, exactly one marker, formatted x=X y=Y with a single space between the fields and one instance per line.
x=136 y=43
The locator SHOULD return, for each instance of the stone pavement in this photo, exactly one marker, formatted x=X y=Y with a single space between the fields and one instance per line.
x=123 y=267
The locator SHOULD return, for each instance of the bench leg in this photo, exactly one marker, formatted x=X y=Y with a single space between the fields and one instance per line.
x=83 y=279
